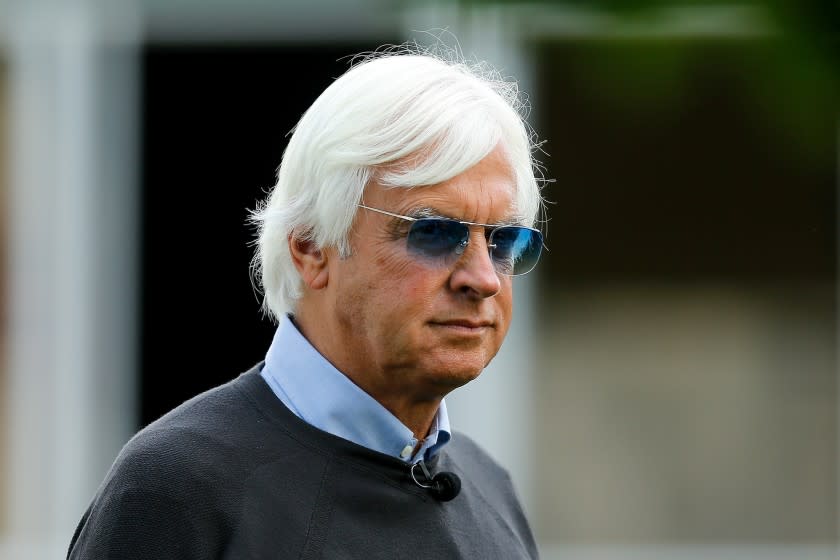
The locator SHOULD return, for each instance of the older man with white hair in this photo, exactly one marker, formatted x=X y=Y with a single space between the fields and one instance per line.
x=404 y=205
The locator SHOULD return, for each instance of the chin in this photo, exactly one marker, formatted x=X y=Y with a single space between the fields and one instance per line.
x=451 y=376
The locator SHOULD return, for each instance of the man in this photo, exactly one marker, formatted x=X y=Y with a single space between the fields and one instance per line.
x=402 y=209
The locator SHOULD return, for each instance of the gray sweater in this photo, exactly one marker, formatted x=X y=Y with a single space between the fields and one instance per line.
x=232 y=473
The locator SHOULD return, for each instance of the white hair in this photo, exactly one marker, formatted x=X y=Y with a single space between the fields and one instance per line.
x=401 y=118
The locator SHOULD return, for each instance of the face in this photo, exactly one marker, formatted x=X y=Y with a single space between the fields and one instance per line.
x=398 y=324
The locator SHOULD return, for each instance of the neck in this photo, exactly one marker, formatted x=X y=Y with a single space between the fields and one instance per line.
x=416 y=411
x=416 y=416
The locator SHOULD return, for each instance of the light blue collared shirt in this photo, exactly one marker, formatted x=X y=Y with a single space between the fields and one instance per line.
x=322 y=396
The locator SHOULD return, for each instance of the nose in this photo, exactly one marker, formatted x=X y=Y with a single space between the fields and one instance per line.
x=474 y=273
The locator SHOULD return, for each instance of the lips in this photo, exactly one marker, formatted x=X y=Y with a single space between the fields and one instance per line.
x=464 y=323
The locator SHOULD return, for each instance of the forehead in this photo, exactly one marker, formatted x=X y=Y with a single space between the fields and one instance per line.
x=485 y=193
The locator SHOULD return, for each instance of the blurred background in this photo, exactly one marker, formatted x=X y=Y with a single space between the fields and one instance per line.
x=670 y=386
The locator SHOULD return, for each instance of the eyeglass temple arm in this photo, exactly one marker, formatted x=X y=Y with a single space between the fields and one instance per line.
x=409 y=218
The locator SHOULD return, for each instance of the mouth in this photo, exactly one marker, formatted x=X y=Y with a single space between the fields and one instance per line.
x=464 y=326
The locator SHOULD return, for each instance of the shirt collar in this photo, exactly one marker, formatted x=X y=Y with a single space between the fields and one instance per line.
x=322 y=396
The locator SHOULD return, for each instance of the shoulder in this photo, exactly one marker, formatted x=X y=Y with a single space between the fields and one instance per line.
x=175 y=484
x=200 y=438
x=468 y=455
x=480 y=473
x=488 y=486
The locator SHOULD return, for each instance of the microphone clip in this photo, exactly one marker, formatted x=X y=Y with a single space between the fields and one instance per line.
x=444 y=485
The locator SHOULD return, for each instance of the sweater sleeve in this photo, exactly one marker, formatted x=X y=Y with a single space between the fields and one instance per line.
x=157 y=502
x=132 y=523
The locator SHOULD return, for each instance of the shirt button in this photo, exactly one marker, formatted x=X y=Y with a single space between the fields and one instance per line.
x=406 y=452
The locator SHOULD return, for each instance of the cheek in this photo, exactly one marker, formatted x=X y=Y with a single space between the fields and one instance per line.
x=387 y=295
x=390 y=264
x=504 y=301
x=408 y=303
x=506 y=296
x=401 y=279
x=412 y=299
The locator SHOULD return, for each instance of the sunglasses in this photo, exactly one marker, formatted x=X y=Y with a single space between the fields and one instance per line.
x=513 y=249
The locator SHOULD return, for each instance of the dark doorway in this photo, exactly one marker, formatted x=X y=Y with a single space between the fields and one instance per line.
x=216 y=120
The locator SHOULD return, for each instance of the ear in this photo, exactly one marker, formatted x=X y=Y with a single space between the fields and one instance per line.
x=310 y=261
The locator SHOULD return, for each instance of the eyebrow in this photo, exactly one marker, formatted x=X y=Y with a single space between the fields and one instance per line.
x=429 y=212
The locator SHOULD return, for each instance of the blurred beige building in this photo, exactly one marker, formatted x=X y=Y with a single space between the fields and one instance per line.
x=669 y=388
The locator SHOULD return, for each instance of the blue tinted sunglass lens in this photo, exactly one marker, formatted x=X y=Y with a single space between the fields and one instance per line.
x=437 y=238
x=515 y=249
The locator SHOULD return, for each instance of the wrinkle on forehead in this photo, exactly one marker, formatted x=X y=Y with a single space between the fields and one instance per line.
x=473 y=202
x=429 y=212
x=484 y=194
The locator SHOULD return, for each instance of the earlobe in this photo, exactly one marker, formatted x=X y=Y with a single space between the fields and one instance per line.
x=310 y=261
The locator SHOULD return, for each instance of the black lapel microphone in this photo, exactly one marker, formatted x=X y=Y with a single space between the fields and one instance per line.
x=443 y=487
